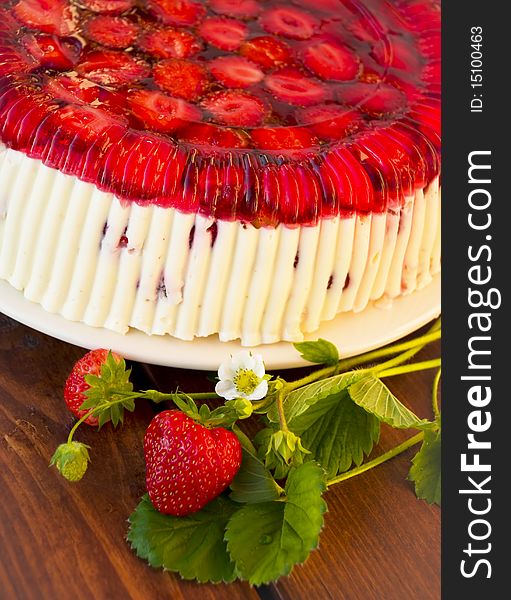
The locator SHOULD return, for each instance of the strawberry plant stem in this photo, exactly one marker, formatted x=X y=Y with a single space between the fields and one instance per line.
x=419 y=366
x=377 y=461
x=280 y=409
x=349 y=363
x=95 y=409
x=412 y=346
x=434 y=399
x=204 y=396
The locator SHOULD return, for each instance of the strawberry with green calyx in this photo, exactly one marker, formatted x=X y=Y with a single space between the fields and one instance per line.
x=97 y=377
x=187 y=464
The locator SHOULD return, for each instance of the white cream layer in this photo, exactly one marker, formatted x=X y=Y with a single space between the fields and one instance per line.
x=82 y=253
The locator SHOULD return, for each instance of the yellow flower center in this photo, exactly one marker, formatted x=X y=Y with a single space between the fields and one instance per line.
x=246 y=381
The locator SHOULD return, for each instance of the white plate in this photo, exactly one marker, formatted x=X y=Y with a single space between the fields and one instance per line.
x=353 y=333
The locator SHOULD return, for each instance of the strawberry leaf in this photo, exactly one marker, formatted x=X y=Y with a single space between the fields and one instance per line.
x=337 y=432
x=321 y=351
x=373 y=395
x=187 y=405
x=253 y=483
x=111 y=385
x=426 y=468
x=266 y=540
x=192 y=546
x=303 y=398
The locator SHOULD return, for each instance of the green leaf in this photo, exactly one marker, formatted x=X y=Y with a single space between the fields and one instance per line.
x=337 y=432
x=321 y=351
x=300 y=400
x=426 y=468
x=253 y=483
x=266 y=540
x=109 y=386
x=192 y=546
x=373 y=395
x=187 y=405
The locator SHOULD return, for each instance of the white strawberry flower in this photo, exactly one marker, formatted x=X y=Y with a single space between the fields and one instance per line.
x=242 y=376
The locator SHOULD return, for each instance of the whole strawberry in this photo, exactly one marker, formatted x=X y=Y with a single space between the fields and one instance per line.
x=76 y=386
x=187 y=464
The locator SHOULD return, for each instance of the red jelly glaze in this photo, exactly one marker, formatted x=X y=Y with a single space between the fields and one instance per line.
x=296 y=110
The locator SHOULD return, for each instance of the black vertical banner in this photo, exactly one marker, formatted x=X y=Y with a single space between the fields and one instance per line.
x=476 y=375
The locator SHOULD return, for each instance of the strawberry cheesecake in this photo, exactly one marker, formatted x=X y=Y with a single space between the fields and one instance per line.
x=245 y=168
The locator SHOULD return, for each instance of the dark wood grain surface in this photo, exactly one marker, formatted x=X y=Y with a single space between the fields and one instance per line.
x=60 y=540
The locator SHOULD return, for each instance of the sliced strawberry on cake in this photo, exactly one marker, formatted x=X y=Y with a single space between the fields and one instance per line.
x=51 y=52
x=111 y=67
x=111 y=31
x=235 y=71
x=159 y=112
x=181 y=78
x=49 y=16
x=168 y=42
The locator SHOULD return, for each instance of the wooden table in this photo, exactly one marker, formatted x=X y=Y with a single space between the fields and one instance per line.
x=61 y=540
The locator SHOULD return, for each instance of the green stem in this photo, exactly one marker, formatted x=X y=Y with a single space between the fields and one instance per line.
x=261 y=405
x=280 y=409
x=93 y=410
x=422 y=341
x=314 y=376
x=378 y=461
x=420 y=366
x=204 y=396
x=157 y=396
x=413 y=346
x=434 y=399
x=78 y=423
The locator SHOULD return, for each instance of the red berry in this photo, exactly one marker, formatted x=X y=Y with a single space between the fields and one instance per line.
x=235 y=71
x=177 y=12
x=291 y=85
x=266 y=51
x=160 y=112
x=329 y=121
x=110 y=67
x=365 y=29
x=75 y=386
x=114 y=32
x=16 y=61
x=207 y=134
x=50 y=16
x=52 y=52
x=330 y=60
x=110 y=7
x=283 y=138
x=289 y=22
x=74 y=90
x=374 y=98
x=235 y=108
x=84 y=122
x=385 y=101
x=244 y=9
x=223 y=33
x=170 y=43
x=187 y=465
x=397 y=54
x=181 y=78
